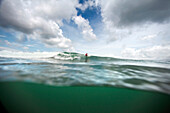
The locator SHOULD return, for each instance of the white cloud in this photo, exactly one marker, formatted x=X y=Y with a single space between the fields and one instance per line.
x=11 y=44
x=155 y=52
x=26 y=48
x=30 y=45
x=149 y=37
x=21 y=37
x=7 y=42
x=38 y=50
x=87 y=31
x=7 y=49
x=39 y=19
x=3 y=36
x=56 y=9
x=86 y=4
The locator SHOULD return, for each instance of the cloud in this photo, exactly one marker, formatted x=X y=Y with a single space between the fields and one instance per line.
x=2 y=36
x=6 y=49
x=11 y=44
x=26 y=48
x=125 y=13
x=39 y=19
x=155 y=52
x=149 y=37
x=21 y=37
x=30 y=45
x=7 y=42
x=134 y=19
x=83 y=24
x=87 y=4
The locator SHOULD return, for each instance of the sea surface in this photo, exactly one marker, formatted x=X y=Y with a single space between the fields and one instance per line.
x=73 y=69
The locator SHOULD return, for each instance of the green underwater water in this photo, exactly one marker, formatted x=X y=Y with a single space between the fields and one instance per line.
x=20 y=97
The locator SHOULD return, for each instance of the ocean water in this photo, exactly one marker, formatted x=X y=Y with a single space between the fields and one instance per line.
x=73 y=69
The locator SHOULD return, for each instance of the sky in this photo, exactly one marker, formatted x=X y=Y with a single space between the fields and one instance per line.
x=116 y=28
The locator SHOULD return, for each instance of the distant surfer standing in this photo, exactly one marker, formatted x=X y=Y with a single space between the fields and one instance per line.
x=86 y=57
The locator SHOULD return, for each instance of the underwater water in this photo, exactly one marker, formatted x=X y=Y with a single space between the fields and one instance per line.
x=72 y=69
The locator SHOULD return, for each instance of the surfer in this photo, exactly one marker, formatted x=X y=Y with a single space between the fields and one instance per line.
x=86 y=57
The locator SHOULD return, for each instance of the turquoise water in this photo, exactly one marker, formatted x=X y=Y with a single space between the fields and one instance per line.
x=71 y=69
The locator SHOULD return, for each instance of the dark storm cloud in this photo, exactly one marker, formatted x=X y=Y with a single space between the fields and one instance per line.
x=128 y=12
